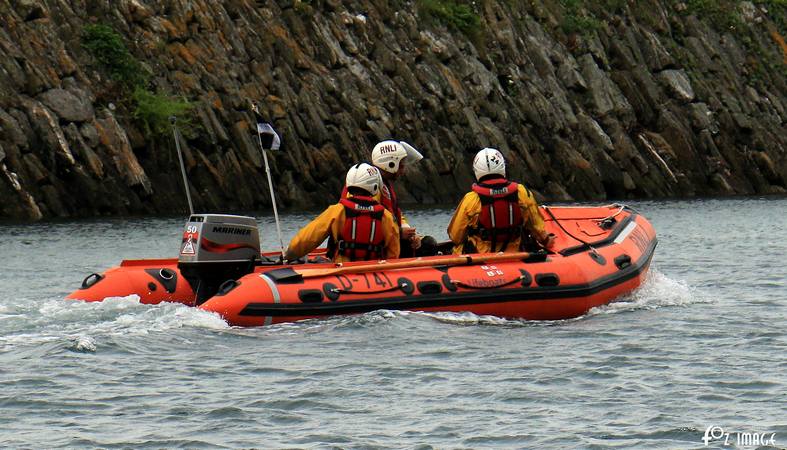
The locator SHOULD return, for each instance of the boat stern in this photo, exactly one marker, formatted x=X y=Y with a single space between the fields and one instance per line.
x=154 y=282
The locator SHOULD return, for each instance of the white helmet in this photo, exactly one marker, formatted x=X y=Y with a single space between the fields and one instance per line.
x=387 y=155
x=489 y=161
x=364 y=176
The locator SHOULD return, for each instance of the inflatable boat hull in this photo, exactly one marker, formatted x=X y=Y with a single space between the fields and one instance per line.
x=605 y=253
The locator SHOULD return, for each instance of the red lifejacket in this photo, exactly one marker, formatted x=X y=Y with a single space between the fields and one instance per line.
x=387 y=199
x=501 y=219
x=362 y=237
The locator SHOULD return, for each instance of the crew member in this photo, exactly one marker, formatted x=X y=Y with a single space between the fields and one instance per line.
x=392 y=158
x=495 y=214
x=357 y=227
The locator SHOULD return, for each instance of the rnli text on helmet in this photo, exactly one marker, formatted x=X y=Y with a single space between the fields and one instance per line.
x=387 y=149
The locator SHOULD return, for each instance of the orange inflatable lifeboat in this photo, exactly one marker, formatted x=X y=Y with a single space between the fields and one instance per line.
x=601 y=253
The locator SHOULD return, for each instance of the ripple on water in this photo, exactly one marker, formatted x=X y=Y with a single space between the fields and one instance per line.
x=226 y=412
x=286 y=418
x=293 y=405
x=143 y=443
x=322 y=439
x=715 y=398
x=641 y=437
x=471 y=319
x=499 y=440
x=754 y=386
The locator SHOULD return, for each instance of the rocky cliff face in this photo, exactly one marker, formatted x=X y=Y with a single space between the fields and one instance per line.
x=609 y=99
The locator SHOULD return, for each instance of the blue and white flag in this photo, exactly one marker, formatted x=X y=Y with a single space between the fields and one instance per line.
x=270 y=139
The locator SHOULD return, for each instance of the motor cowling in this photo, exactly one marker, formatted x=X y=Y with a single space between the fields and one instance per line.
x=216 y=248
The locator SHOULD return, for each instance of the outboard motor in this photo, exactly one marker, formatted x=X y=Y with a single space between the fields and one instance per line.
x=216 y=248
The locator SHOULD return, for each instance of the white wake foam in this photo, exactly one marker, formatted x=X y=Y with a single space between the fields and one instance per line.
x=116 y=316
x=468 y=318
x=84 y=344
x=82 y=326
x=657 y=291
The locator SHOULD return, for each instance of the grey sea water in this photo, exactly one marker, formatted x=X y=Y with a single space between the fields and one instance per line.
x=702 y=343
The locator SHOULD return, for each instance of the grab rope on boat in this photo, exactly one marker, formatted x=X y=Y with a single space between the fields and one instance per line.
x=549 y=211
x=620 y=210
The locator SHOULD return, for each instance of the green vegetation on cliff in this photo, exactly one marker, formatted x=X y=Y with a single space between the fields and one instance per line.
x=454 y=14
x=576 y=19
x=111 y=52
x=154 y=110
x=151 y=110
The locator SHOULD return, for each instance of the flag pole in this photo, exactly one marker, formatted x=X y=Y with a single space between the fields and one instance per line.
x=173 y=120
x=275 y=141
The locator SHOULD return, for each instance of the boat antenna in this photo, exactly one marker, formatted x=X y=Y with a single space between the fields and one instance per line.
x=268 y=140
x=176 y=133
